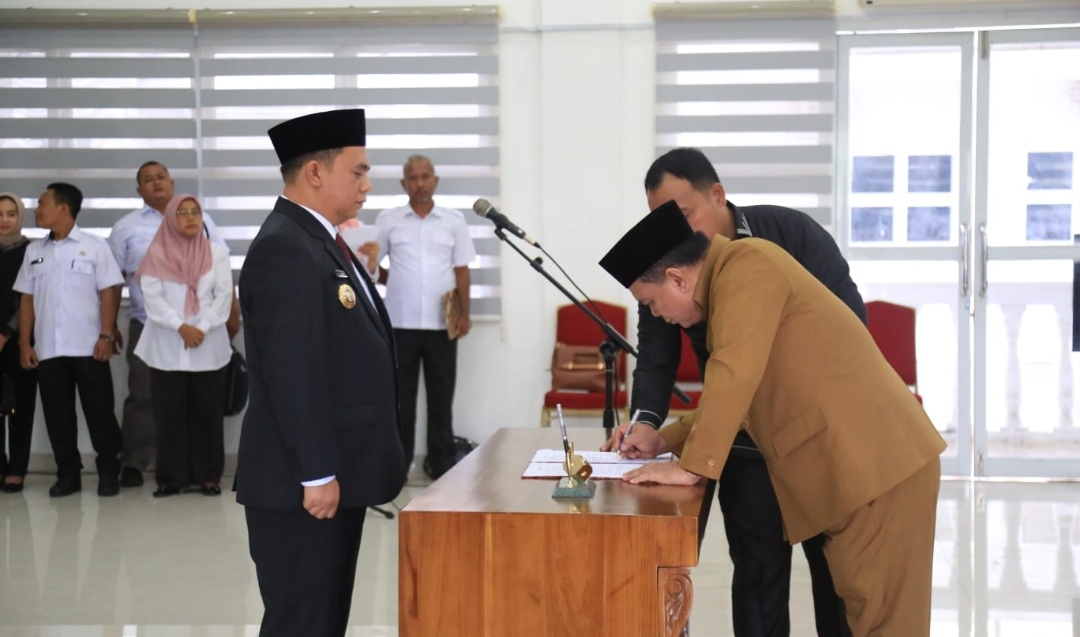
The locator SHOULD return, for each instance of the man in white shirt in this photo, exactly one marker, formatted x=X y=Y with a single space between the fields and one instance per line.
x=68 y=284
x=129 y=239
x=430 y=251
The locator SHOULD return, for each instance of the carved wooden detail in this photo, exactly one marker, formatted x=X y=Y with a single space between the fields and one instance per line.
x=676 y=593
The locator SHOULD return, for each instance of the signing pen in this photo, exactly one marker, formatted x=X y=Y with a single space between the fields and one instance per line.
x=562 y=426
x=628 y=430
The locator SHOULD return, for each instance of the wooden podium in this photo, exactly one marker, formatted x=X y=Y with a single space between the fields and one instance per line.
x=485 y=553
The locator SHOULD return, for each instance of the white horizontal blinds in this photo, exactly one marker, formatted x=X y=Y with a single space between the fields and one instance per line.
x=758 y=97
x=426 y=90
x=88 y=106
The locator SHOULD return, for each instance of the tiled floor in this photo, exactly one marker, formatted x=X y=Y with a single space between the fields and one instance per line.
x=1006 y=565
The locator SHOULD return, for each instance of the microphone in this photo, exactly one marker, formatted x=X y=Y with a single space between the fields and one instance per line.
x=484 y=208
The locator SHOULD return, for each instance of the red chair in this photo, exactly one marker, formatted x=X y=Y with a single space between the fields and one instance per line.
x=573 y=327
x=893 y=329
x=686 y=373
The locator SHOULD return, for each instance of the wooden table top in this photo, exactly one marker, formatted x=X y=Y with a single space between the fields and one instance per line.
x=489 y=480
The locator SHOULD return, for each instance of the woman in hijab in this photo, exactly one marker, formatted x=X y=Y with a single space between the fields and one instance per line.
x=18 y=386
x=187 y=284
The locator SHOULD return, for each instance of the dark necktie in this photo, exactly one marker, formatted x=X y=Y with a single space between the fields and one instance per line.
x=344 y=248
x=369 y=289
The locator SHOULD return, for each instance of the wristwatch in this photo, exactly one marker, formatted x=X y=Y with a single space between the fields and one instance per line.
x=108 y=338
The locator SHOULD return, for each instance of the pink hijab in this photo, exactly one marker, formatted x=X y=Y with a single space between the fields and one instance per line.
x=172 y=256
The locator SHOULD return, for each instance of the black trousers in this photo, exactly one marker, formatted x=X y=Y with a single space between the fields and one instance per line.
x=306 y=569
x=58 y=378
x=762 y=556
x=438 y=353
x=189 y=424
x=19 y=425
x=138 y=418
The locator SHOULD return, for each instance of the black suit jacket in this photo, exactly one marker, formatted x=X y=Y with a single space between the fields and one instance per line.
x=323 y=394
x=660 y=344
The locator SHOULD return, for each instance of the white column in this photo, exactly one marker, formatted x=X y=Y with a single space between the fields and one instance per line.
x=954 y=315
x=1013 y=314
x=1065 y=428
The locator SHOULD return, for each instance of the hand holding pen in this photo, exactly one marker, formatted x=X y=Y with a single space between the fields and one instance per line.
x=647 y=444
x=628 y=430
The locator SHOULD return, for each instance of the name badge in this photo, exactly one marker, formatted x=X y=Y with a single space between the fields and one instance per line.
x=347 y=296
x=340 y=274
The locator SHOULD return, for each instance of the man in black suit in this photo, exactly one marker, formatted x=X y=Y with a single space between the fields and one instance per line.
x=319 y=443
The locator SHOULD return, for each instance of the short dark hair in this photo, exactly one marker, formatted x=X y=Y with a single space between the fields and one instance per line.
x=291 y=168
x=683 y=163
x=152 y=162
x=68 y=195
x=685 y=254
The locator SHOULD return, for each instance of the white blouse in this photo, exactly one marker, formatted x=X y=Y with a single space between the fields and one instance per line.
x=161 y=346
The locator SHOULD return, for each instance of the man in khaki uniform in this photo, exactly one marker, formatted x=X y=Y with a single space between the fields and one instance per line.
x=849 y=450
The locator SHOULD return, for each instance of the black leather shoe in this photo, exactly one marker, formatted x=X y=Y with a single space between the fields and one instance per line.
x=65 y=487
x=13 y=487
x=210 y=489
x=164 y=492
x=131 y=477
x=108 y=486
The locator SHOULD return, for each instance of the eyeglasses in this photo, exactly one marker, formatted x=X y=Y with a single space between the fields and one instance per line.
x=188 y=213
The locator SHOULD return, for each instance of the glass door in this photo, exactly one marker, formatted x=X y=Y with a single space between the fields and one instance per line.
x=904 y=165
x=1027 y=253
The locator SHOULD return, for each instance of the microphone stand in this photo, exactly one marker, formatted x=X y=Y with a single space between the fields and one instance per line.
x=383 y=512
x=608 y=349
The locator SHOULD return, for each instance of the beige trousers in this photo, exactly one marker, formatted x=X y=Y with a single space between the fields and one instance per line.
x=881 y=558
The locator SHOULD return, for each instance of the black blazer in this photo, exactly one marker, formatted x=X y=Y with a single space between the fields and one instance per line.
x=11 y=258
x=322 y=375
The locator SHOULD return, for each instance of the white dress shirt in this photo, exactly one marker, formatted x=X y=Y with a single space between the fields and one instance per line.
x=423 y=254
x=161 y=345
x=65 y=278
x=129 y=239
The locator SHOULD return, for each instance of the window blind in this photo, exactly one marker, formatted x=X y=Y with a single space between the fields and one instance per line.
x=89 y=105
x=758 y=97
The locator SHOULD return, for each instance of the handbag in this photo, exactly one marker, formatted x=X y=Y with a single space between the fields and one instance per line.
x=236 y=384
x=579 y=367
x=462 y=447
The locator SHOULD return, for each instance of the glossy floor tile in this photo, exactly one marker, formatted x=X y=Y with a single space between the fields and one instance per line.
x=1006 y=562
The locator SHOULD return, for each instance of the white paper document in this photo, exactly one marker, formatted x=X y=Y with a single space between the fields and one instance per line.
x=356 y=237
x=592 y=457
x=600 y=471
x=606 y=465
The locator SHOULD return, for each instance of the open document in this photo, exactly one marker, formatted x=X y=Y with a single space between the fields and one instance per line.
x=606 y=465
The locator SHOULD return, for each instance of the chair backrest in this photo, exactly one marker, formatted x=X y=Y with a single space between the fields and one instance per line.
x=688 y=371
x=573 y=327
x=893 y=329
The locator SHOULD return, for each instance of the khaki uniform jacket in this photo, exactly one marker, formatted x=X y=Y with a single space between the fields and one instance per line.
x=789 y=362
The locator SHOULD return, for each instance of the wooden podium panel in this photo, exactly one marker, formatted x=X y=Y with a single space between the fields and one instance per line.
x=485 y=553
